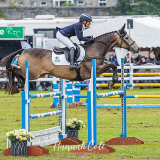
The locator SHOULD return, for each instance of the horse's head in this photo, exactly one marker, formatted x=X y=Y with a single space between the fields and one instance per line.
x=125 y=41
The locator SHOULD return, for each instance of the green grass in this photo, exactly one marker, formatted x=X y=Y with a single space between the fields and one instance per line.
x=143 y=124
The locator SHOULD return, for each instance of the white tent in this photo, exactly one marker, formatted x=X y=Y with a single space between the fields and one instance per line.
x=145 y=32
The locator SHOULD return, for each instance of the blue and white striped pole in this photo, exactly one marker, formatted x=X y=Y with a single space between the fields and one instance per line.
x=92 y=109
x=48 y=114
x=107 y=94
x=44 y=95
x=63 y=108
x=26 y=100
x=123 y=104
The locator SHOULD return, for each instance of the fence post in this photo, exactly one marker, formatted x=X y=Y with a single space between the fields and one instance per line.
x=123 y=104
x=93 y=108
x=63 y=108
x=26 y=100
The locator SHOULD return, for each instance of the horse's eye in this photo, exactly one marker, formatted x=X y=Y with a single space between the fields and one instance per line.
x=126 y=38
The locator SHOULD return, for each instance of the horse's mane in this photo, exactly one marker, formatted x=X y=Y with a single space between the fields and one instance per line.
x=104 y=34
x=85 y=45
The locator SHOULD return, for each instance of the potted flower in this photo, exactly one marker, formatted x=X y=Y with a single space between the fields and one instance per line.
x=18 y=140
x=73 y=125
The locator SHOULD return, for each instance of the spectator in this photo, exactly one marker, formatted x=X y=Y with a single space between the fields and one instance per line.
x=152 y=59
x=112 y=59
x=159 y=59
x=147 y=81
x=142 y=60
x=32 y=85
x=126 y=59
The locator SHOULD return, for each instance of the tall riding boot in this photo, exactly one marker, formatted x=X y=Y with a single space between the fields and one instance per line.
x=72 y=65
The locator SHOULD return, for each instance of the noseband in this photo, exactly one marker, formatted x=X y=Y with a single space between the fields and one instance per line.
x=123 y=40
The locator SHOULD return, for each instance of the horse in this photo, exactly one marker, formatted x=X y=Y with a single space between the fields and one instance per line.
x=40 y=61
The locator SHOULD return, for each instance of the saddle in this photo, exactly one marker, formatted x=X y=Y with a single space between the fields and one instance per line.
x=66 y=51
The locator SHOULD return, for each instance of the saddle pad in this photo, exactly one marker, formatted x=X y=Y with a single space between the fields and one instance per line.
x=60 y=60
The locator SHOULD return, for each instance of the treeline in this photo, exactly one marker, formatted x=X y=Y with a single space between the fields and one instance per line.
x=138 y=7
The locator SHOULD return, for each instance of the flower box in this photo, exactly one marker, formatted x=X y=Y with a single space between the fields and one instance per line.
x=72 y=133
x=18 y=148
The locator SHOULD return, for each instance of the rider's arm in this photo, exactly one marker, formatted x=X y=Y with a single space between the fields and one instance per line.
x=78 y=31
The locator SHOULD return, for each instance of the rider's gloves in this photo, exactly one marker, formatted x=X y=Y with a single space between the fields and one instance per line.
x=91 y=40
x=89 y=37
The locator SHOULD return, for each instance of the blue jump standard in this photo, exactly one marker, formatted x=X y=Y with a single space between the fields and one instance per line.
x=92 y=109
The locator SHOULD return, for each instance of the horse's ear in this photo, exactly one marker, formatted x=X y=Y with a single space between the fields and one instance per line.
x=122 y=29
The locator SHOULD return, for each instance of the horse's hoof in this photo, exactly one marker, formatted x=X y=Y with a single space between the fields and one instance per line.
x=110 y=84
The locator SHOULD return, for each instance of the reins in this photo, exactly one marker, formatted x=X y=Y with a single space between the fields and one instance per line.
x=103 y=57
x=96 y=57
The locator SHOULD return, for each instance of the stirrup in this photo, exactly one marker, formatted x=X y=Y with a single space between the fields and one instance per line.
x=71 y=67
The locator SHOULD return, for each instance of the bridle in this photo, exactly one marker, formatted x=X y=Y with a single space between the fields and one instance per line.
x=123 y=40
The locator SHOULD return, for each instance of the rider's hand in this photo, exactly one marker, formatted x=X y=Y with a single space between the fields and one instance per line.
x=91 y=40
x=89 y=37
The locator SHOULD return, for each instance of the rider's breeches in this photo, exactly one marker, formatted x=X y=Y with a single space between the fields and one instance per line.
x=65 y=40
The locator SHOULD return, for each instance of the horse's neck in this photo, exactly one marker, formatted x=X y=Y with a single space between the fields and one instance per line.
x=109 y=41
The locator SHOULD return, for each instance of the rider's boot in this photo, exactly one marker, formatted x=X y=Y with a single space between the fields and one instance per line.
x=72 y=65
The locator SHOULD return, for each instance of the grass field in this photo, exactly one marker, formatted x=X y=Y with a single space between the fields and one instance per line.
x=143 y=124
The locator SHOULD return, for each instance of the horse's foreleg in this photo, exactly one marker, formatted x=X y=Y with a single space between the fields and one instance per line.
x=104 y=68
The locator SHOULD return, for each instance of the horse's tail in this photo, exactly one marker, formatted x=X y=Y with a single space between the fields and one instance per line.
x=12 y=72
x=8 y=59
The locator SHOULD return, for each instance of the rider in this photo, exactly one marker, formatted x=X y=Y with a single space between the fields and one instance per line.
x=64 y=34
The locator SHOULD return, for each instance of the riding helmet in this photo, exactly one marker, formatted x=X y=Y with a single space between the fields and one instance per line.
x=85 y=17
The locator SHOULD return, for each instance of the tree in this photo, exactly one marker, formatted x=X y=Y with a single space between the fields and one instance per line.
x=67 y=4
x=136 y=7
x=123 y=6
x=2 y=16
x=13 y=3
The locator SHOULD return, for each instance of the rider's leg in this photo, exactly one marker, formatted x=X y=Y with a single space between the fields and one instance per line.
x=67 y=42
x=71 y=54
